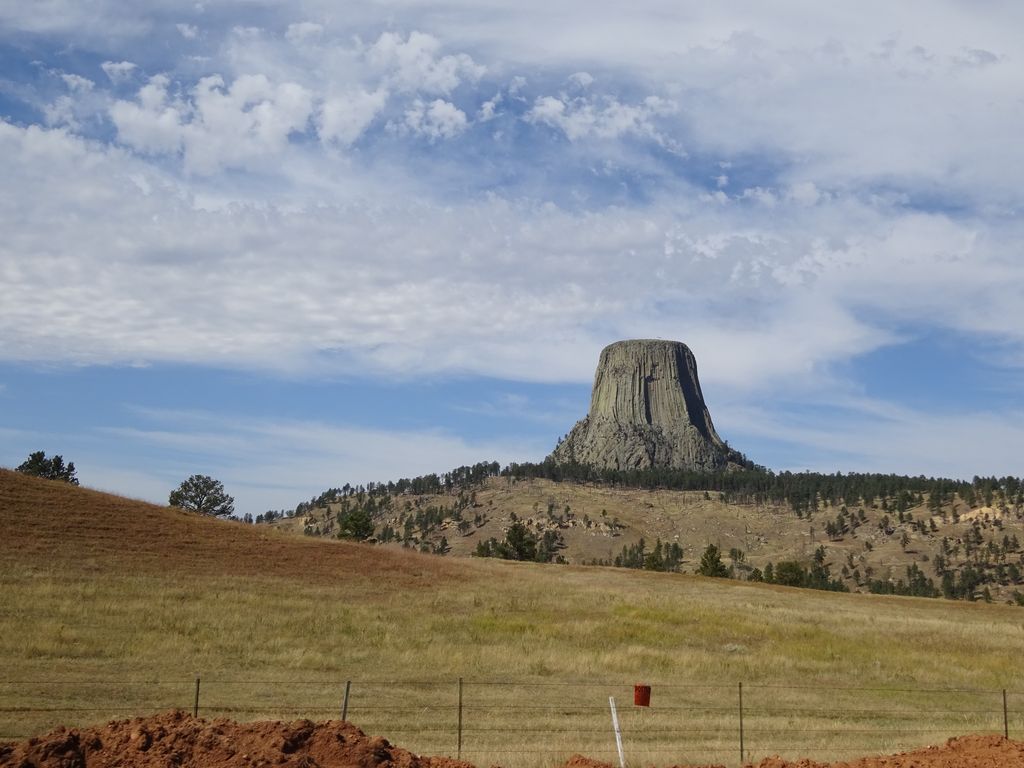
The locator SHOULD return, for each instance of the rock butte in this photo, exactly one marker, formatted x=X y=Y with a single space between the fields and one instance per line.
x=646 y=410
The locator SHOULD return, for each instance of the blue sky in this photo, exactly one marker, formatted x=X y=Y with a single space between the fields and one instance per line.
x=293 y=245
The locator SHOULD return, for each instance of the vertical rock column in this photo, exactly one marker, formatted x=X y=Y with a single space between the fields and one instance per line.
x=646 y=410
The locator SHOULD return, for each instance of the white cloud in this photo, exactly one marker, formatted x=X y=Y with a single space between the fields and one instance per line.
x=804 y=193
x=928 y=119
x=228 y=120
x=839 y=98
x=102 y=21
x=245 y=120
x=77 y=83
x=303 y=31
x=933 y=100
x=81 y=108
x=519 y=290
x=605 y=119
x=344 y=118
x=219 y=126
x=415 y=64
x=858 y=120
x=437 y=120
x=119 y=71
x=581 y=80
x=152 y=123
x=765 y=197
x=976 y=57
x=61 y=112
x=857 y=174
x=488 y=110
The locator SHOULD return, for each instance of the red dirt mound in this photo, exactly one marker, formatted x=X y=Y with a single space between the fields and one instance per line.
x=961 y=752
x=178 y=739
x=579 y=761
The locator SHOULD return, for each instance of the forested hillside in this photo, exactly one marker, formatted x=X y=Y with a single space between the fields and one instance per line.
x=859 y=532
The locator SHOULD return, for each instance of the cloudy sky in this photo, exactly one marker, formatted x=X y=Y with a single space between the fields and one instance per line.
x=294 y=245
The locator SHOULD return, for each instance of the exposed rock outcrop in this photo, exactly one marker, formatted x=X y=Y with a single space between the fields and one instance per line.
x=646 y=410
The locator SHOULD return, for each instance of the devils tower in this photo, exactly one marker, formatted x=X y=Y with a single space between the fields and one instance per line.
x=646 y=410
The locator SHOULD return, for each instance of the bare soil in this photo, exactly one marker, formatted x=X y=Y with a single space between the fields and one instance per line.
x=179 y=740
x=959 y=752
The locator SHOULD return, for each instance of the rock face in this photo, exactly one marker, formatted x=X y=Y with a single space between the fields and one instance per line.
x=646 y=410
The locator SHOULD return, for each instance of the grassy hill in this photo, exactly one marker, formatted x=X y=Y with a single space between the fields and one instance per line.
x=866 y=545
x=110 y=606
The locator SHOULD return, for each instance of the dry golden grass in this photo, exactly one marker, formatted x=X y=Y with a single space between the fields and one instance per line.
x=764 y=532
x=111 y=607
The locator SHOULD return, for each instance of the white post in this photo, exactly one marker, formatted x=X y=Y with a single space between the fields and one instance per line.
x=618 y=732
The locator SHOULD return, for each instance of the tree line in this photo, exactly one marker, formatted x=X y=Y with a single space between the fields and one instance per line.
x=804 y=492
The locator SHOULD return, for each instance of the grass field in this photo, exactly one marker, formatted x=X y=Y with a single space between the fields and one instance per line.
x=111 y=607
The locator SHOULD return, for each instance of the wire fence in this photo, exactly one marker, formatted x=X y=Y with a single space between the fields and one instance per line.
x=519 y=723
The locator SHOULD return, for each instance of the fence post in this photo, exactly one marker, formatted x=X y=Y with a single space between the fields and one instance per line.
x=1006 y=717
x=459 y=754
x=195 y=706
x=344 y=702
x=741 y=724
x=618 y=732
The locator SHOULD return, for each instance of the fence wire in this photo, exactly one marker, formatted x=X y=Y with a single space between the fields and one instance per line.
x=520 y=724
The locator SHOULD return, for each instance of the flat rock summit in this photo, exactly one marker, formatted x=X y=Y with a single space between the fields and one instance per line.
x=647 y=410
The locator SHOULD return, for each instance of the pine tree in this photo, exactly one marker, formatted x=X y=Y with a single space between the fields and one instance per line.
x=711 y=563
x=54 y=468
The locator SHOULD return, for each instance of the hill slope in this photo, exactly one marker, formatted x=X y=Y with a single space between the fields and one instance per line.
x=111 y=606
x=866 y=545
x=51 y=524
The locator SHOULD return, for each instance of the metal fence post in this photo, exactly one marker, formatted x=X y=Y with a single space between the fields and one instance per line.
x=195 y=706
x=344 y=703
x=1006 y=717
x=741 y=723
x=459 y=753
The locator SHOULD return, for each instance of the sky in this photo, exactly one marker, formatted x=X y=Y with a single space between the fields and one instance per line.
x=294 y=245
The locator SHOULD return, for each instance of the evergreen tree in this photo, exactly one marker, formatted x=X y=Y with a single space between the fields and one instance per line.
x=54 y=468
x=521 y=543
x=202 y=494
x=655 y=560
x=790 y=573
x=356 y=524
x=711 y=563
